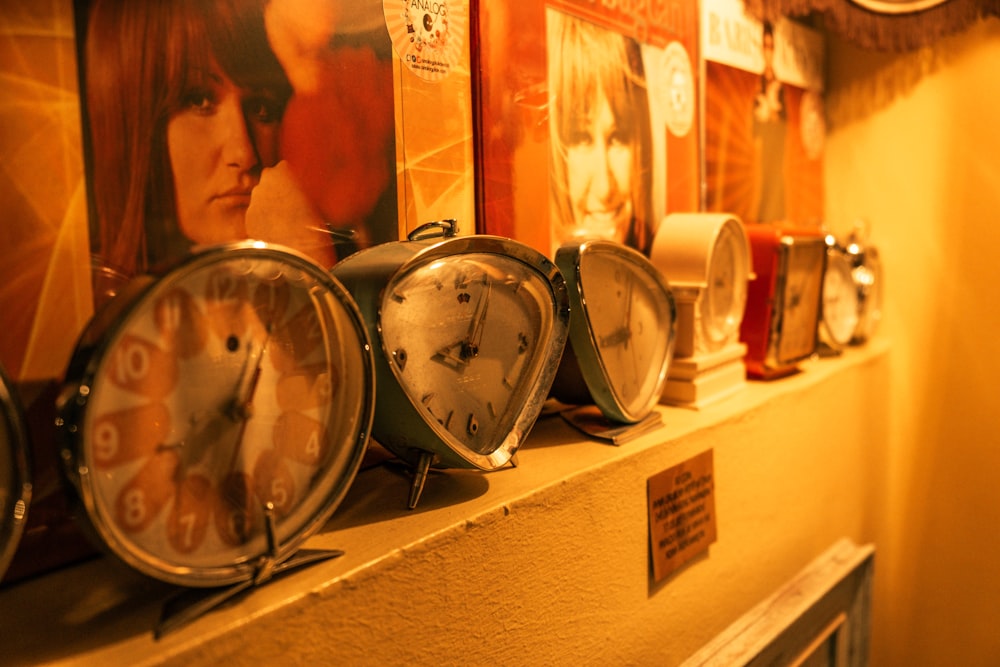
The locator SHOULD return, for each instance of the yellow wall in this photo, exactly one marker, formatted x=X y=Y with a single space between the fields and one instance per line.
x=914 y=146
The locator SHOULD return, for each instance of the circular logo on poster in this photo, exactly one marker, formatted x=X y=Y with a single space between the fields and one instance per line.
x=673 y=87
x=427 y=35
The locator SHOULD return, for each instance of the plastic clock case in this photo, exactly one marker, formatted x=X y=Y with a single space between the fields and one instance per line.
x=15 y=471
x=214 y=415
x=707 y=259
x=781 y=324
x=622 y=330
x=468 y=332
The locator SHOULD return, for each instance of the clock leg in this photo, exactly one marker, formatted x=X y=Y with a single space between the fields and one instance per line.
x=419 y=477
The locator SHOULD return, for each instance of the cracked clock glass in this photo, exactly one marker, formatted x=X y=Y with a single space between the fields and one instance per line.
x=468 y=331
x=237 y=385
x=486 y=329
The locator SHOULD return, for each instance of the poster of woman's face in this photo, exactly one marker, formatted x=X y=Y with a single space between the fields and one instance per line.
x=215 y=121
x=599 y=134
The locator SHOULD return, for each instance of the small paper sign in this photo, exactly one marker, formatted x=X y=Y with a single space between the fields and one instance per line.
x=681 y=513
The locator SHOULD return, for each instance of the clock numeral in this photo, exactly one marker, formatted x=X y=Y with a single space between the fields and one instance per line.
x=181 y=323
x=273 y=482
x=106 y=440
x=233 y=512
x=131 y=363
x=142 y=368
x=271 y=298
x=148 y=426
x=298 y=339
x=142 y=499
x=134 y=512
x=223 y=286
x=189 y=518
x=227 y=304
x=311 y=387
x=300 y=438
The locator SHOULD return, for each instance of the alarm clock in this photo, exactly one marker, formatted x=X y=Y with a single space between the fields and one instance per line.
x=781 y=323
x=706 y=258
x=841 y=312
x=621 y=329
x=215 y=414
x=15 y=471
x=468 y=332
x=868 y=280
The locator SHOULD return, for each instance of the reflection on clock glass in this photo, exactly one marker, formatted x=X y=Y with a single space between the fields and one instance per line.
x=801 y=300
x=228 y=388
x=840 y=299
x=726 y=284
x=466 y=335
x=630 y=321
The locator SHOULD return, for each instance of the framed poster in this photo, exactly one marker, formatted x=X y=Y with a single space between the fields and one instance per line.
x=592 y=110
x=764 y=118
x=141 y=131
x=820 y=618
x=282 y=121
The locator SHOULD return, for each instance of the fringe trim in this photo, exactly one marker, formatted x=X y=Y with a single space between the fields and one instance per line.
x=881 y=30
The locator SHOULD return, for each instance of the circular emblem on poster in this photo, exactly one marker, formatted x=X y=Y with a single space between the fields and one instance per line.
x=674 y=88
x=427 y=35
x=812 y=124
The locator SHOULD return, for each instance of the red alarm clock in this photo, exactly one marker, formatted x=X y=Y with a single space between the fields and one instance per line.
x=784 y=301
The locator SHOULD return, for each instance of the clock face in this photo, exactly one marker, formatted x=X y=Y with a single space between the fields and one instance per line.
x=239 y=381
x=466 y=335
x=868 y=280
x=726 y=284
x=840 y=299
x=800 y=299
x=628 y=318
x=15 y=485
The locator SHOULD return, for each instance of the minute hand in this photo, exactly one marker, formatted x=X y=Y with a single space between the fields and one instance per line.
x=470 y=348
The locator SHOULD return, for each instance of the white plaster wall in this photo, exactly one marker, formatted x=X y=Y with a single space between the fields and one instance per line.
x=914 y=147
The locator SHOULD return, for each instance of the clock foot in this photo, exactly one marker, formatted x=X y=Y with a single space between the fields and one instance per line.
x=419 y=477
x=191 y=603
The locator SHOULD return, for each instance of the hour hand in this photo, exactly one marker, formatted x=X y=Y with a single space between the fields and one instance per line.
x=452 y=355
x=621 y=335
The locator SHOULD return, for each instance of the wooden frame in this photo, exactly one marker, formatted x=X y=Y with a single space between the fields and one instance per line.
x=821 y=617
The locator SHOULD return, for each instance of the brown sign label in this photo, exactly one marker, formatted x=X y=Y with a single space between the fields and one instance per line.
x=681 y=513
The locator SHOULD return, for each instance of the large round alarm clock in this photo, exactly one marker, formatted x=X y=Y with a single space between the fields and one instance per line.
x=469 y=331
x=214 y=415
x=781 y=324
x=15 y=471
x=622 y=326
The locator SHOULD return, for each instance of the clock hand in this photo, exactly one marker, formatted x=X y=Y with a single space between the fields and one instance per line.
x=621 y=335
x=476 y=327
x=238 y=407
x=459 y=354
x=244 y=409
